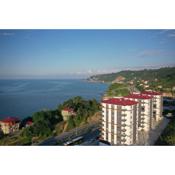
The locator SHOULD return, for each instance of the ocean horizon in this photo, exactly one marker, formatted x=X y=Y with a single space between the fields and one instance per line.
x=23 y=97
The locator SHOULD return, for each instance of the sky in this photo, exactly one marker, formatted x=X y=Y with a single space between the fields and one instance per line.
x=82 y=53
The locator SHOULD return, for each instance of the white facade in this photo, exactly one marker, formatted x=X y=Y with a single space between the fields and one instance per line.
x=144 y=110
x=146 y=114
x=125 y=120
x=119 y=123
x=157 y=109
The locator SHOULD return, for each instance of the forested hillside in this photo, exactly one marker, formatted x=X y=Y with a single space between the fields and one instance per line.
x=162 y=80
x=165 y=74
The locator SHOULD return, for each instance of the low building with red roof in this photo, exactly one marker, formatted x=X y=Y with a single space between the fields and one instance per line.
x=9 y=124
x=67 y=113
x=29 y=123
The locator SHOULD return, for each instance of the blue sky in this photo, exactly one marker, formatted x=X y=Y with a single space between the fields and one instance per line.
x=81 y=53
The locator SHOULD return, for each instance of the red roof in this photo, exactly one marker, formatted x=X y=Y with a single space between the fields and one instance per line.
x=151 y=93
x=139 y=96
x=10 y=120
x=120 y=101
x=68 y=109
x=29 y=122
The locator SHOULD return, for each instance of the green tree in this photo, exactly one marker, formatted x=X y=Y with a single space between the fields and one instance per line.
x=71 y=124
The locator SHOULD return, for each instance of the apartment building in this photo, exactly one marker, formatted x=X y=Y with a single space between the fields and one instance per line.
x=157 y=105
x=119 y=121
x=128 y=120
x=145 y=104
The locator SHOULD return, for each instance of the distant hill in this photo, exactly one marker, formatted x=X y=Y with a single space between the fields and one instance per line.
x=146 y=74
x=162 y=79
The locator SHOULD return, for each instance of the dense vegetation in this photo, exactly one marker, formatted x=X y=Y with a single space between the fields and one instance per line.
x=83 y=109
x=118 y=90
x=43 y=124
x=158 y=79
x=168 y=135
x=165 y=74
x=50 y=123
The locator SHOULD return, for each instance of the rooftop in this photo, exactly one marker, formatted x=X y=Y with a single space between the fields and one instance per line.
x=10 y=120
x=139 y=96
x=68 y=109
x=120 y=101
x=29 y=122
x=151 y=93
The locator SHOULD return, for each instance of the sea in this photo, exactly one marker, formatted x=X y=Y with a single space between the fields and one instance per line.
x=21 y=98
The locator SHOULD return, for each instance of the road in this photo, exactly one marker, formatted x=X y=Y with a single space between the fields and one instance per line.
x=89 y=131
x=155 y=133
x=90 y=139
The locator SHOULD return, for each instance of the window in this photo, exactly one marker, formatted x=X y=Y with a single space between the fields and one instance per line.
x=154 y=113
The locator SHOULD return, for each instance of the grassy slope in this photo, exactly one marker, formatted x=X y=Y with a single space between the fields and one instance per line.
x=118 y=90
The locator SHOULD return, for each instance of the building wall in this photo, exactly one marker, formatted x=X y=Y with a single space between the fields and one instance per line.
x=119 y=124
x=66 y=114
x=147 y=119
x=9 y=128
x=144 y=118
x=157 y=108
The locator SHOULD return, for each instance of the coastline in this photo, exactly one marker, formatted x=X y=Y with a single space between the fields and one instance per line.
x=97 y=81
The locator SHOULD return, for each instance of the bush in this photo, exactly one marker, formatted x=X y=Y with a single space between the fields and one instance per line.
x=70 y=124
x=44 y=124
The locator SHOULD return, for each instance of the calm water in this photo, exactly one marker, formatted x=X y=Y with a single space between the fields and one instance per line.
x=23 y=97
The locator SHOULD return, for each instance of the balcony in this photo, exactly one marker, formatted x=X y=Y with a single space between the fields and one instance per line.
x=142 y=113
x=142 y=122
x=124 y=110
x=142 y=118
x=123 y=120
x=142 y=126
x=123 y=130
x=101 y=129
x=102 y=123
x=123 y=115
x=123 y=135
x=123 y=125
x=123 y=140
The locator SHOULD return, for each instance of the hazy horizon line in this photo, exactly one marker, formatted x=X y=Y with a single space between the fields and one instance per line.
x=82 y=76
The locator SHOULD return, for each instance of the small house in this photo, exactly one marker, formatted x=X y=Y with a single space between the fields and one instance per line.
x=9 y=125
x=67 y=112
